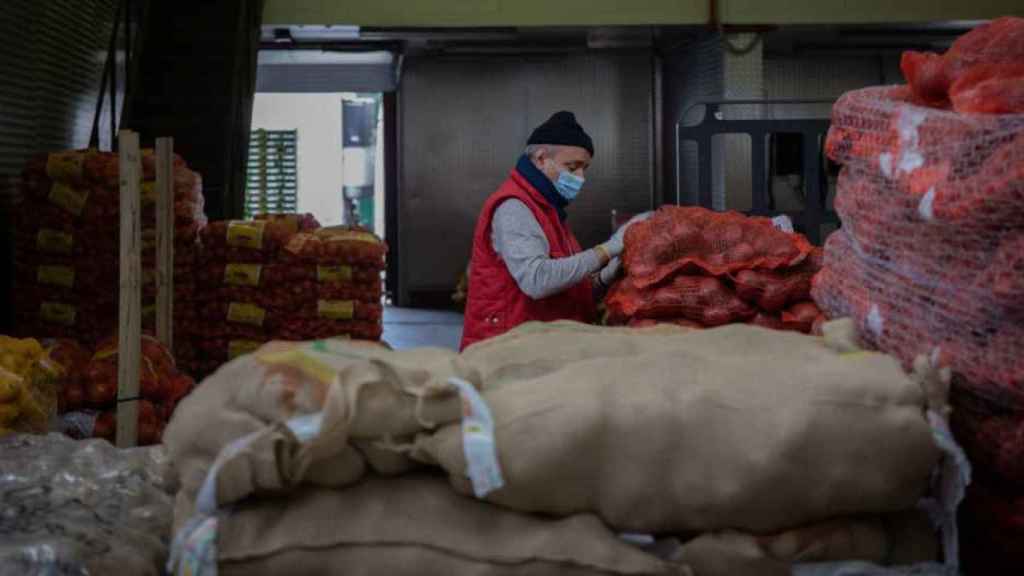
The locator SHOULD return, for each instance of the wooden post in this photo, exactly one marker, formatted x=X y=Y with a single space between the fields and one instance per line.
x=165 y=241
x=129 y=330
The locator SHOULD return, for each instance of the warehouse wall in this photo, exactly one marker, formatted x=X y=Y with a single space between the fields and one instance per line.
x=317 y=117
x=693 y=71
x=463 y=123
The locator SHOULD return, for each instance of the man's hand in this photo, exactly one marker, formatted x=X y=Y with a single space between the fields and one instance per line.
x=615 y=245
x=610 y=273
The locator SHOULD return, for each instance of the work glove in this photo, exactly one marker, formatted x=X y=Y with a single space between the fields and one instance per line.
x=610 y=273
x=615 y=245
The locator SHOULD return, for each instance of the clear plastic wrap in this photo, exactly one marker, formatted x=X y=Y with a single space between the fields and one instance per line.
x=82 y=507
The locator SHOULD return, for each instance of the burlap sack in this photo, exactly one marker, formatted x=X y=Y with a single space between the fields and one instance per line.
x=415 y=525
x=733 y=428
x=894 y=539
x=364 y=394
x=534 y=349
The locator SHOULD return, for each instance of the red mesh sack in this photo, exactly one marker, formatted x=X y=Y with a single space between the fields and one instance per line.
x=767 y=320
x=702 y=299
x=991 y=529
x=800 y=317
x=990 y=89
x=342 y=310
x=309 y=328
x=931 y=76
x=689 y=239
x=351 y=246
x=234 y=319
x=294 y=222
x=905 y=312
x=989 y=423
x=243 y=240
x=222 y=350
x=773 y=290
x=649 y=322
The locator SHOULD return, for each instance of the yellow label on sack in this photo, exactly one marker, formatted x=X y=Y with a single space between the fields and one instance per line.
x=336 y=309
x=149 y=312
x=245 y=234
x=242 y=274
x=246 y=314
x=68 y=198
x=54 y=241
x=299 y=359
x=58 y=313
x=105 y=353
x=56 y=276
x=149 y=193
x=238 y=348
x=66 y=166
x=334 y=273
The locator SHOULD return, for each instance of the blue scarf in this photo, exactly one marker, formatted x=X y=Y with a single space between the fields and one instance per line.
x=540 y=182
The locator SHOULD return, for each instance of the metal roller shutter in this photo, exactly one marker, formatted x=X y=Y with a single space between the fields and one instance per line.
x=51 y=71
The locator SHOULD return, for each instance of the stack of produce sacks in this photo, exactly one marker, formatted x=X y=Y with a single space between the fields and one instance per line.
x=88 y=402
x=282 y=277
x=930 y=258
x=237 y=271
x=28 y=386
x=696 y=268
x=566 y=434
x=340 y=291
x=68 y=243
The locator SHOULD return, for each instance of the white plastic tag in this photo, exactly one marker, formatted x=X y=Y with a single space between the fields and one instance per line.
x=194 y=550
x=478 y=445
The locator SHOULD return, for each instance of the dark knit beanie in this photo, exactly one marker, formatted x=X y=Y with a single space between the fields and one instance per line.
x=562 y=129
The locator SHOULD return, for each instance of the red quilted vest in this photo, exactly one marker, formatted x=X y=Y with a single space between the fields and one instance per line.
x=495 y=303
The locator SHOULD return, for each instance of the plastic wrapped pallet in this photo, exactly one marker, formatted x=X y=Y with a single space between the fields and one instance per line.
x=70 y=507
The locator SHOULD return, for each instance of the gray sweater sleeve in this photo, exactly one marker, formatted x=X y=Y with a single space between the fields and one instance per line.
x=518 y=238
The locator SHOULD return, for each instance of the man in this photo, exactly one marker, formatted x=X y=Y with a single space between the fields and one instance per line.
x=526 y=264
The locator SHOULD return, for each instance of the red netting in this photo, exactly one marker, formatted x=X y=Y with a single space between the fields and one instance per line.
x=930 y=258
x=772 y=291
x=353 y=246
x=991 y=529
x=254 y=241
x=690 y=239
x=294 y=222
x=703 y=299
x=981 y=72
x=67 y=244
x=311 y=328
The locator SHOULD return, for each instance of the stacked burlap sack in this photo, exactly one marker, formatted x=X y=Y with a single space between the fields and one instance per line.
x=558 y=437
x=930 y=258
x=68 y=245
x=696 y=268
x=282 y=277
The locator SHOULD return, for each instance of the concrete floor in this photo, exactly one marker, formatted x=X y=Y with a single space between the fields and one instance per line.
x=409 y=328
